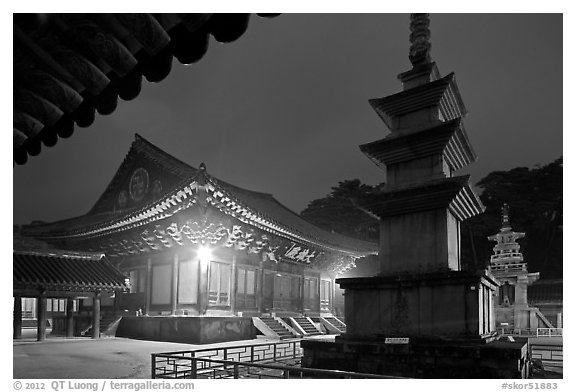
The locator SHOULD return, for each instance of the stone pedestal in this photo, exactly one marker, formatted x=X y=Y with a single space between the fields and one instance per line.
x=447 y=305
x=421 y=358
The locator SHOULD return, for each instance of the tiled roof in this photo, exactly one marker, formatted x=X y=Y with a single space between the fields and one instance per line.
x=453 y=192
x=545 y=291
x=272 y=208
x=448 y=139
x=67 y=67
x=443 y=93
x=65 y=271
x=263 y=204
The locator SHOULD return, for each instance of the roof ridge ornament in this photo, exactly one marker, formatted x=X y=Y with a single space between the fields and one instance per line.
x=419 y=39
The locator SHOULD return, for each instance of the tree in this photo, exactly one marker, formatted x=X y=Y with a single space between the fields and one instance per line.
x=338 y=211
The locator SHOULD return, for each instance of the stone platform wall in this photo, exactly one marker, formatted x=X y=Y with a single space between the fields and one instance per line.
x=194 y=330
x=421 y=360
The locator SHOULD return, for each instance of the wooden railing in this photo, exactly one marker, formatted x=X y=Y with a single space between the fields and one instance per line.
x=178 y=363
x=216 y=368
x=550 y=355
x=528 y=332
x=549 y=332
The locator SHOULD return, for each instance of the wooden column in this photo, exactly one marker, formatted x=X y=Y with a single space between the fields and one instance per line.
x=41 y=317
x=333 y=295
x=116 y=304
x=260 y=293
x=174 y=289
x=233 y=286
x=17 y=324
x=148 y=291
x=69 y=317
x=96 y=316
x=301 y=303
x=204 y=267
x=318 y=292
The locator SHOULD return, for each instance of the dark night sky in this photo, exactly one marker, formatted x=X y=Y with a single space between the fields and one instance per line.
x=283 y=109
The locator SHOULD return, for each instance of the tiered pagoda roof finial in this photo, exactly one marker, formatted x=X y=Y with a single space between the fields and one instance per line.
x=507 y=255
x=505 y=218
x=419 y=39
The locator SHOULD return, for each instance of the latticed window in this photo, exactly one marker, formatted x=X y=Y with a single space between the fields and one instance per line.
x=188 y=282
x=325 y=295
x=219 y=284
x=311 y=293
x=246 y=288
x=28 y=308
x=137 y=281
x=56 y=305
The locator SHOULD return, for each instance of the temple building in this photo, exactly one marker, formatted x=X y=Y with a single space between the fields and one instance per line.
x=508 y=266
x=194 y=245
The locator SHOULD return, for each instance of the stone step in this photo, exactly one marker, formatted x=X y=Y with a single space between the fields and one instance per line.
x=278 y=328
x=307 y=326
x=339 y=325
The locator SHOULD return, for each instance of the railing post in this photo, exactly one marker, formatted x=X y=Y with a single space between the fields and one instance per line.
x=235 y=370
x=251 y=353
x=194 y=366
x=274 y=348
x=153 y=370
x=293 y=349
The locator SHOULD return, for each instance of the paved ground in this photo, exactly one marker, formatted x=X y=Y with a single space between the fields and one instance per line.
x=108 y=358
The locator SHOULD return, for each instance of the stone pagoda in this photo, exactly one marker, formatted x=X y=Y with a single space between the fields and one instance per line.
x=422 y=316
x=508 y=266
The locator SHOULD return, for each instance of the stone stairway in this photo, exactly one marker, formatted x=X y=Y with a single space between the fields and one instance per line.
x=278 y=328
x=106 y=322
x=306 y=326
x=339 y=325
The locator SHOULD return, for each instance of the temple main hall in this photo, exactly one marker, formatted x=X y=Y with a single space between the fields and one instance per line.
x=204 y=260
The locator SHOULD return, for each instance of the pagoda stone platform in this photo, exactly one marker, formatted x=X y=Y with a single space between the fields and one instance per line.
x=420 y=357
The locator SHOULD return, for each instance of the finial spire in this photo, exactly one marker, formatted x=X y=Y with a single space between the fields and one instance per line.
x=419 y=39
x=506 y=217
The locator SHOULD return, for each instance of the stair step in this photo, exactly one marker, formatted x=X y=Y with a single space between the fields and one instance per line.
x=336 y=323
x=307 y=326
x=278 y=328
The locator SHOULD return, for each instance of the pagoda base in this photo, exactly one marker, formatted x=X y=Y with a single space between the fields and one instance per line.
x=421 y=358
x=427 y=325
x=447 y=304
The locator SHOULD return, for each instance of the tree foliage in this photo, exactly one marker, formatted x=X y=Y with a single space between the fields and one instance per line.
x=338 y=211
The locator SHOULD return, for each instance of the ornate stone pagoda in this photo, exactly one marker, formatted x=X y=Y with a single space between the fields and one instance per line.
x=420 y=210
x=508 y=266
x=422 y=316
